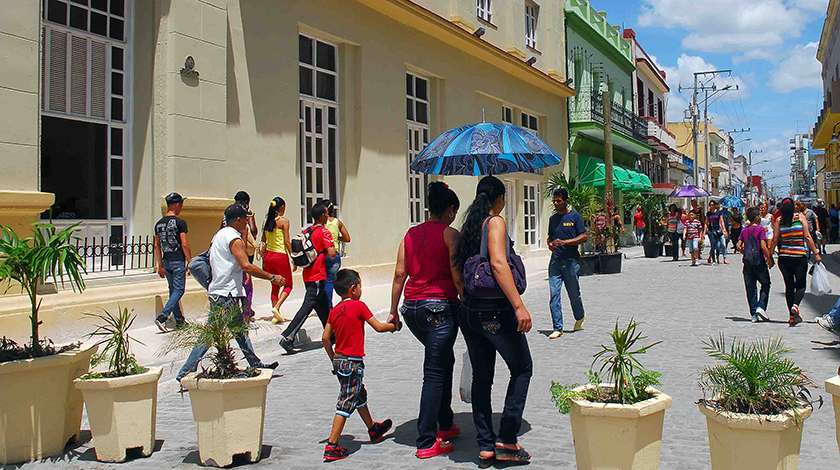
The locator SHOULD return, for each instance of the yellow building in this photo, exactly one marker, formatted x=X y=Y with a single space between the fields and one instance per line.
x=826 y=127
x=719 y=151
x=110 y=105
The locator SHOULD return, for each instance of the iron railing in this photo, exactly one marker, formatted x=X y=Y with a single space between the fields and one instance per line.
x=623 y=119
x=114 y=255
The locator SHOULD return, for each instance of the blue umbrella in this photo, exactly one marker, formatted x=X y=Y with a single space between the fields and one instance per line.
x=484 y=149
x=731 y=201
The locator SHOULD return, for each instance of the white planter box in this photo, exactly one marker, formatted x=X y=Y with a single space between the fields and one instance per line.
x=122 y=412
x=229 y=416
x=40 y=410
x=832 y=386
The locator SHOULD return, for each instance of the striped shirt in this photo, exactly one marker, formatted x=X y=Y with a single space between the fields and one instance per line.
x=672 y=223
x=693 y=229
x=792 y=239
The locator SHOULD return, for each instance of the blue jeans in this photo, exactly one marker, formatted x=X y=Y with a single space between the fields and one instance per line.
x=176 y=277
x=220 y=304
x=640 y=235
x=332 y=265
x=716 y=245
x=434 y=324
x=489 y=326
x=760 y=274
x=560 y=271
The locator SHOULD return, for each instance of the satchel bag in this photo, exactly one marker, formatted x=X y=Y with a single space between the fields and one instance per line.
x=479 y=280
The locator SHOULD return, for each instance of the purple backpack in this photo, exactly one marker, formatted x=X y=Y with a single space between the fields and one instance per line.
x=478 y=273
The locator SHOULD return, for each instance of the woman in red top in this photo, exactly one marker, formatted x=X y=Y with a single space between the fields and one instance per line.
x=639 y=223
x=430 y=309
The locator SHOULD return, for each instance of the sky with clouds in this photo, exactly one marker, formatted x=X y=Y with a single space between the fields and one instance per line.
x=770 y=45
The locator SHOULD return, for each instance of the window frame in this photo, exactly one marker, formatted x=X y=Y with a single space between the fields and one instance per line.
x=418 y=136
x=532 y=11
x=89 y=10
x=484 y=10
x=531 y=213
x=507 y=119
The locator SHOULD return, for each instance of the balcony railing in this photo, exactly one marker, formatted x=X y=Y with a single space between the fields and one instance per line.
x=623 y=120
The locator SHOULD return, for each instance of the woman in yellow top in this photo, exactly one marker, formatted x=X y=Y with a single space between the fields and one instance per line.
x=340 y=234
x=275 y=248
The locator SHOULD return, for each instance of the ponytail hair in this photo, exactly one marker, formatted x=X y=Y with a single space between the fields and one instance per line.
x=329 y=206
x=489 y=190
x=442 y=198
x=273 y=209
x=788 y=211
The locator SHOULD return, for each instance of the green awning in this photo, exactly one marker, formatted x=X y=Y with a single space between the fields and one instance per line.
x=640 y=183
x=646 y=182
x=592 y=172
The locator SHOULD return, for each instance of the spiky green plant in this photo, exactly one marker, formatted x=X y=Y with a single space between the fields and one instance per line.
x=559 y=180
x=221 y=327
x=756 y=377
x=113 y=330
x=48 y=253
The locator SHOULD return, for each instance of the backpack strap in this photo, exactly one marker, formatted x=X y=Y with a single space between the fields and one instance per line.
x=485 y=233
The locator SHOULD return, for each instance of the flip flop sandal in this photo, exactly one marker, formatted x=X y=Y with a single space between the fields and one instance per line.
x=512 y=455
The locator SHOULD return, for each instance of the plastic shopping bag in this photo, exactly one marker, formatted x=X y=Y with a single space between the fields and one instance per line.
x=819 y=280
x=466 y=380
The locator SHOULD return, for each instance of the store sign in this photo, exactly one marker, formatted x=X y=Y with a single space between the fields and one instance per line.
x=832 y=185
x=831 y=176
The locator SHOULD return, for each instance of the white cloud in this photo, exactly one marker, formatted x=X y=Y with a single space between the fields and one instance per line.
x=682 y=75
x=819 y=6
x=799 y=69
x=751 y=27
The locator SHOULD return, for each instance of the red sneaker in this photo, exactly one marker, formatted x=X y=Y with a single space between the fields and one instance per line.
x=454 y=431
x=378 y=430
x=334 y=452
x=440 y=447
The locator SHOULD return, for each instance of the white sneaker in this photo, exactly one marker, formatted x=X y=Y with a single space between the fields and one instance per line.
x=827 y=323
x=762 y=316
x=579 y=324
x=555 y=335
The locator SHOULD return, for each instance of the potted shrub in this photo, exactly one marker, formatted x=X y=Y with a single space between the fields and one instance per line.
x=121 y=402
x=653 y=206
x=616 y=425
x=228 y=403
x=758 y=405
x=40 y=410
x=832 y=386
x=609 y=259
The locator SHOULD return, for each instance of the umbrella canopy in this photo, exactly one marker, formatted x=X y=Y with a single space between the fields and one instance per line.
x=731 y=201
x=689 y=191
x=485 y=149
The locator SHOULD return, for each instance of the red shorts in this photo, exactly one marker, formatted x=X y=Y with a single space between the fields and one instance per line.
x=278 y=263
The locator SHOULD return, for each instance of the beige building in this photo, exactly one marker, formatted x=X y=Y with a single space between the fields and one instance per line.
x=720 y=149
x=109 y=105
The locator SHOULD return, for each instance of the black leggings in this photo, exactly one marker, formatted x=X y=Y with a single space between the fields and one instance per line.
x=795 y=272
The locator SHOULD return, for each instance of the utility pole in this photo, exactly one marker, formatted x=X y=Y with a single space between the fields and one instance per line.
x=707 y=143
x=694 y=132
x=750 y=179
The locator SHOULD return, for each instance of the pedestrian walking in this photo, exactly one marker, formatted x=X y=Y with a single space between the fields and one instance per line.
x=249 y=237
x=673 y=234
x=791 y=236
x=824 y=221
x=724 y=218
x=736 y=224
x=314 y=277
x=172 y=255
x=811 y=217
x=339 y=233
x=346 y=323
x=493 y=326
x=767 y=219
x=771 y=206
x=639 y=224
x=692 y=235
x=274 y=249
x=226 y=293
x=716 y=231
x=758 y=259
x=834 y=219
x=566 y=232
x=431 y=281
x=681 y=228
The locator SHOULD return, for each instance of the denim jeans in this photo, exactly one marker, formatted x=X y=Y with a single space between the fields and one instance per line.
x=332 y=265
x=834 y=313
x=220 y=304
x=434 y=323
x=760 y=274
x=176 y=277
x=640 y=235
x=715 y=245
x=564 y=271
x=314 y=299
x=489 y=326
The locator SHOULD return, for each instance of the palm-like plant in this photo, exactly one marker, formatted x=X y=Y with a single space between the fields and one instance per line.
x=559 y=180
x=222 y=326
x=48 y=253
x=754 y=377
x=653 y=206
x=113 y=330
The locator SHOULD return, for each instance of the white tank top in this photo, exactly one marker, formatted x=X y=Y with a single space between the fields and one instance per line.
x=227 y=274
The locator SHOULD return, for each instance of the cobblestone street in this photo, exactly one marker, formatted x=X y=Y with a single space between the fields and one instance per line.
x=678 y=304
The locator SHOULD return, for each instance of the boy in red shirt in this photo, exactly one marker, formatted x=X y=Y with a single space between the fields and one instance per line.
x=347 y=322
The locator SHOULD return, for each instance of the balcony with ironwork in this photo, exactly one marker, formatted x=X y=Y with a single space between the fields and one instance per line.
x=718 y=161
x=659 y=137
x=587 y=117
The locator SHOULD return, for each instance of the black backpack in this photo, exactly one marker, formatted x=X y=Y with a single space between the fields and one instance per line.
x=752 y=251
x=304 y=253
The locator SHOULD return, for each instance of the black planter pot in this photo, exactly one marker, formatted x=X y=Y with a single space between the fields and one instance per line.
x=588 y=265
x=669 y=250
x=610 y=264
x=652 y=249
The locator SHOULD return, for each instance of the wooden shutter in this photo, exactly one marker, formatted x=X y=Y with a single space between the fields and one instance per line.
x=58 y=71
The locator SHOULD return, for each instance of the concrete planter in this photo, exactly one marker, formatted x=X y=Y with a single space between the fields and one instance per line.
x=832 y=386
x=40 y=410
x=122 y=413
x=229 y=416
x=618 y=437
x=761 y=442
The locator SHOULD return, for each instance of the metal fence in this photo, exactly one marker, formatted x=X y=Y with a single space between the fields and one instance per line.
x=115 y=255
x=623 y=119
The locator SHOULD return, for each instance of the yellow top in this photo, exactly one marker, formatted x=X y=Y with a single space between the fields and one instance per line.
x=274 y=240
x=332 y=226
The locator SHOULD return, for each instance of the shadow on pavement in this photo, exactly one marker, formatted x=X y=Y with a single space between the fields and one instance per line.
x=748 y=320
x=465 y=447
x=130 y=454
x=546 y=333
x=238 y=460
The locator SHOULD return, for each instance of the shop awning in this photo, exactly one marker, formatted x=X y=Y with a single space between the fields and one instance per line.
x=592 y=172
x=640 y=182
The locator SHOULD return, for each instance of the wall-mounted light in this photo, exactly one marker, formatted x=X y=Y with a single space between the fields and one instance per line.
x=188 y=70
x=569 y=81
x=479 y=32
x=531 y=61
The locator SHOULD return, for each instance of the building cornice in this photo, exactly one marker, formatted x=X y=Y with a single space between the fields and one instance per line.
x=410 y=14
x=828 y=25
x=593 y=26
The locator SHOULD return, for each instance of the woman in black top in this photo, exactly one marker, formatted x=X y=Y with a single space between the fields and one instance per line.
x=494 y=325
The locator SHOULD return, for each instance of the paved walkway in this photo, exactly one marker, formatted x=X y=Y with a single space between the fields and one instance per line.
x=678 y=304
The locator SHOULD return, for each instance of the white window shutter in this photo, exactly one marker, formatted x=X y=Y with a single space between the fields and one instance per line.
x=98 y=74
x=78 y=76
x=58 y=71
